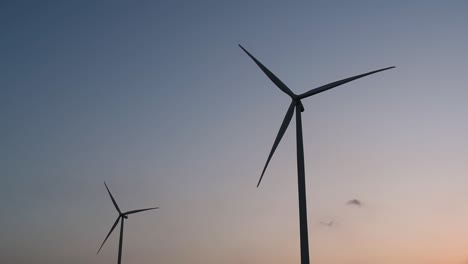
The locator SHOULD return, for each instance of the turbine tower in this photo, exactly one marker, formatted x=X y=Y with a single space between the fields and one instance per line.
x=121 y=217
x=296 y=105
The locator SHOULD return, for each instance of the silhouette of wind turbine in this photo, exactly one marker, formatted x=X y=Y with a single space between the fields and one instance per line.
x=121 y=217
x=296 y=104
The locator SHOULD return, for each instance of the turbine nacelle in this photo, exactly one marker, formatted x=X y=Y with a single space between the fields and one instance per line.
x=297 y=101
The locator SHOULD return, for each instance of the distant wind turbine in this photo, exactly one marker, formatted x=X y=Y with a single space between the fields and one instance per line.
x=121 y=217
x=297 y=105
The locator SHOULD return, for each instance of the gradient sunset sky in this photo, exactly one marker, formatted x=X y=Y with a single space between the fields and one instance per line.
x=157 y=99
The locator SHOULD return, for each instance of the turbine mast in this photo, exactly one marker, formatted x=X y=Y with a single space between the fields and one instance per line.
x=301 y=185
x=119 y=260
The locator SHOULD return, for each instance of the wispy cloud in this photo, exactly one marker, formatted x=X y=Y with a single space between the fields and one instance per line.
x=327 y=224
x=355 y=202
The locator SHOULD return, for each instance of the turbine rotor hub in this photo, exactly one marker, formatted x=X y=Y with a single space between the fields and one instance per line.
x=297 y=101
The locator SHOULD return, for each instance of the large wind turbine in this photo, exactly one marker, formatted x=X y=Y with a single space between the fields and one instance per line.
x=296 y=104
x=121 y=217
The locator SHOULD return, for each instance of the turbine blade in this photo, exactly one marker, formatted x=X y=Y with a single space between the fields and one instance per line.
x=282 y=130
x=329 y=86
x=139 y=210
x=112 y=229
x=270 y=75
x=113 y=200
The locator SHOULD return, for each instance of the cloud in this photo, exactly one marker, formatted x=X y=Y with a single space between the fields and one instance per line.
x=355 y=202
x=327 y=224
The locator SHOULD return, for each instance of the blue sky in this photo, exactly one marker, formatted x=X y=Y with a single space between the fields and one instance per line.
x=156 y=98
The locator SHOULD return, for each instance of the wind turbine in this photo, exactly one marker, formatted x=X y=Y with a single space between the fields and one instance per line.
x=121 y=217
x=296 y=104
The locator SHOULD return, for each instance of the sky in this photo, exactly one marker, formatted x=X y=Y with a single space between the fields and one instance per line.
x=157 y=99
